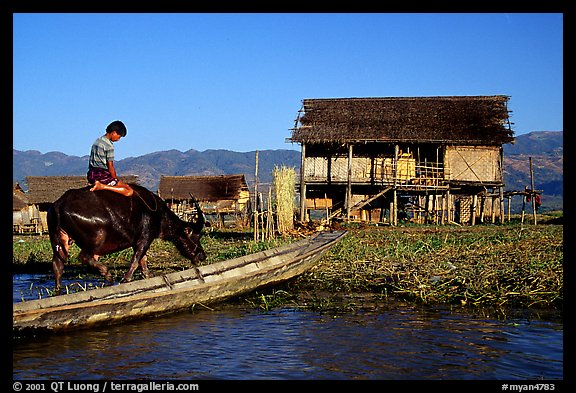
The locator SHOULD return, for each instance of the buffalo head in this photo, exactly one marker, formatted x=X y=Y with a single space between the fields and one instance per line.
x=187 y=240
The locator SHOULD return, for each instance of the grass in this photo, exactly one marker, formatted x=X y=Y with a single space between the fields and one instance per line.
x=483 y=266
x=34 y=253
x=479 y=266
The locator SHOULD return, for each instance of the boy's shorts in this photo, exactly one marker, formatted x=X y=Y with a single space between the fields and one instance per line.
x=102 y=175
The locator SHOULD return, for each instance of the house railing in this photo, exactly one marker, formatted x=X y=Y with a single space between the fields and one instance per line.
x=405 y=172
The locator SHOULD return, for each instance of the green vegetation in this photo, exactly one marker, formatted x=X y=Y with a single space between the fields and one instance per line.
x=481 y=265
x=34 y=253
x=484 y=266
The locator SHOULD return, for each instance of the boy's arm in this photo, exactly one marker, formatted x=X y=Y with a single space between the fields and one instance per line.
x=111 y=169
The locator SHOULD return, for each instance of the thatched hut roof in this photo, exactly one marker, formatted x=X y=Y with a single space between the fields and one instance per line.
x=203 y=188
x=46 y=189
x=459 y=119
x=19 y=198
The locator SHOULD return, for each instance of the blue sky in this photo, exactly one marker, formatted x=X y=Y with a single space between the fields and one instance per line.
x=237 y=81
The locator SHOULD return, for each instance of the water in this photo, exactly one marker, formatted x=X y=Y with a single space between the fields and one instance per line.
x=38 y=286
x=232 y=342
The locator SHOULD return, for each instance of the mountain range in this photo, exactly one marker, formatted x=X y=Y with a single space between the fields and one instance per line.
x=545 y=148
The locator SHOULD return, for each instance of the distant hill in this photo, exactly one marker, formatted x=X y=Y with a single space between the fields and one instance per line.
x=150 y=167
x=545 y=148
x=547 y=151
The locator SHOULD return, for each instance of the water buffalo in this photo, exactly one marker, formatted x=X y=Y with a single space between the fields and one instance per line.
x=103 y=222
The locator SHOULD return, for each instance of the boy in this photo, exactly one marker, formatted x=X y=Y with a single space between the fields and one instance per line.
x=101 y=172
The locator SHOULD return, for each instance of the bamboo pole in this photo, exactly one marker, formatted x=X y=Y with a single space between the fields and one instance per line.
x=449 y=206
x=269 y=218
x=533 y=194
x=302 y=184
x=443 y=210
x=523 y=208
x=395 y=174
x=474 y=207
x=326 y=207
x=493 y=215
x=395 y=208
x=502 y=213
x=349 y=185
x=256 y=199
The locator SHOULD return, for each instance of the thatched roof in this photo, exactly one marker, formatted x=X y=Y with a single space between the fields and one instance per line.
x=203 y=188
x=46 y=189
x=19 y=198
x=460 y=119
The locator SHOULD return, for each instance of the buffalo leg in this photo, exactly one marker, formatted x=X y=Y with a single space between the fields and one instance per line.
x=89 y=259
x=58 y=268
x=144 y=266
x=60 y=245
x=138 y=259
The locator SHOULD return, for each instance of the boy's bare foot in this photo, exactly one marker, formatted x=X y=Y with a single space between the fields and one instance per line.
x=97 y=186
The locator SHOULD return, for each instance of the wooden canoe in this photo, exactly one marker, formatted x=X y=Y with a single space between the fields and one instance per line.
x=171 y=292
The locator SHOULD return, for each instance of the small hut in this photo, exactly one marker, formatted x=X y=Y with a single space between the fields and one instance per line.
x=422 y=158
x=20 y=211
x=43 y=191
x=219 y=196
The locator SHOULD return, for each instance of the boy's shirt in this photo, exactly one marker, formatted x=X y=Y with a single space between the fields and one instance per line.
x=102 y=151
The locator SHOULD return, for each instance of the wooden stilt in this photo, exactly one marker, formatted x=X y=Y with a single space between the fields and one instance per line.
x=395 y=208
x=474 y=208
x=449 y=206
x=523 y=208
x=533 y=196
x=349 y=185
x=303 y=184
x=256 y=199
x=493 y=215
x=501 y=192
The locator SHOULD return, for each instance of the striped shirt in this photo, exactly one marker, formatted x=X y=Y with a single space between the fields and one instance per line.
x=102 y=152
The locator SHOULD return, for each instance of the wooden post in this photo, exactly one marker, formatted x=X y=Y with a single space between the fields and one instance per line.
x=349 y=186
x=302 y=184
x=269 y=217
x=501 y=192
x=533 y=194
x=474 y=206
x=443 y=209
x=449 y=206
x=493 y=216
x=326 y=207
x=523 y=208
x=395 y=164
x=395 y=194
x=395 y=208
x=256 y=199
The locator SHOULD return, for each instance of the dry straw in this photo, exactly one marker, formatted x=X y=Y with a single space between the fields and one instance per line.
x=284 y=181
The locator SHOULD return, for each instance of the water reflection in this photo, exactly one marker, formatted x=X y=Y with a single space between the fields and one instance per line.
x=233 y=343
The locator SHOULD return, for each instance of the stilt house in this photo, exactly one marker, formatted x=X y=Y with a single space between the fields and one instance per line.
x=426 y=159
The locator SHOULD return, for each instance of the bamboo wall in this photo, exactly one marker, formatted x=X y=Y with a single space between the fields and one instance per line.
x=364 y=169
x=473 y=163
